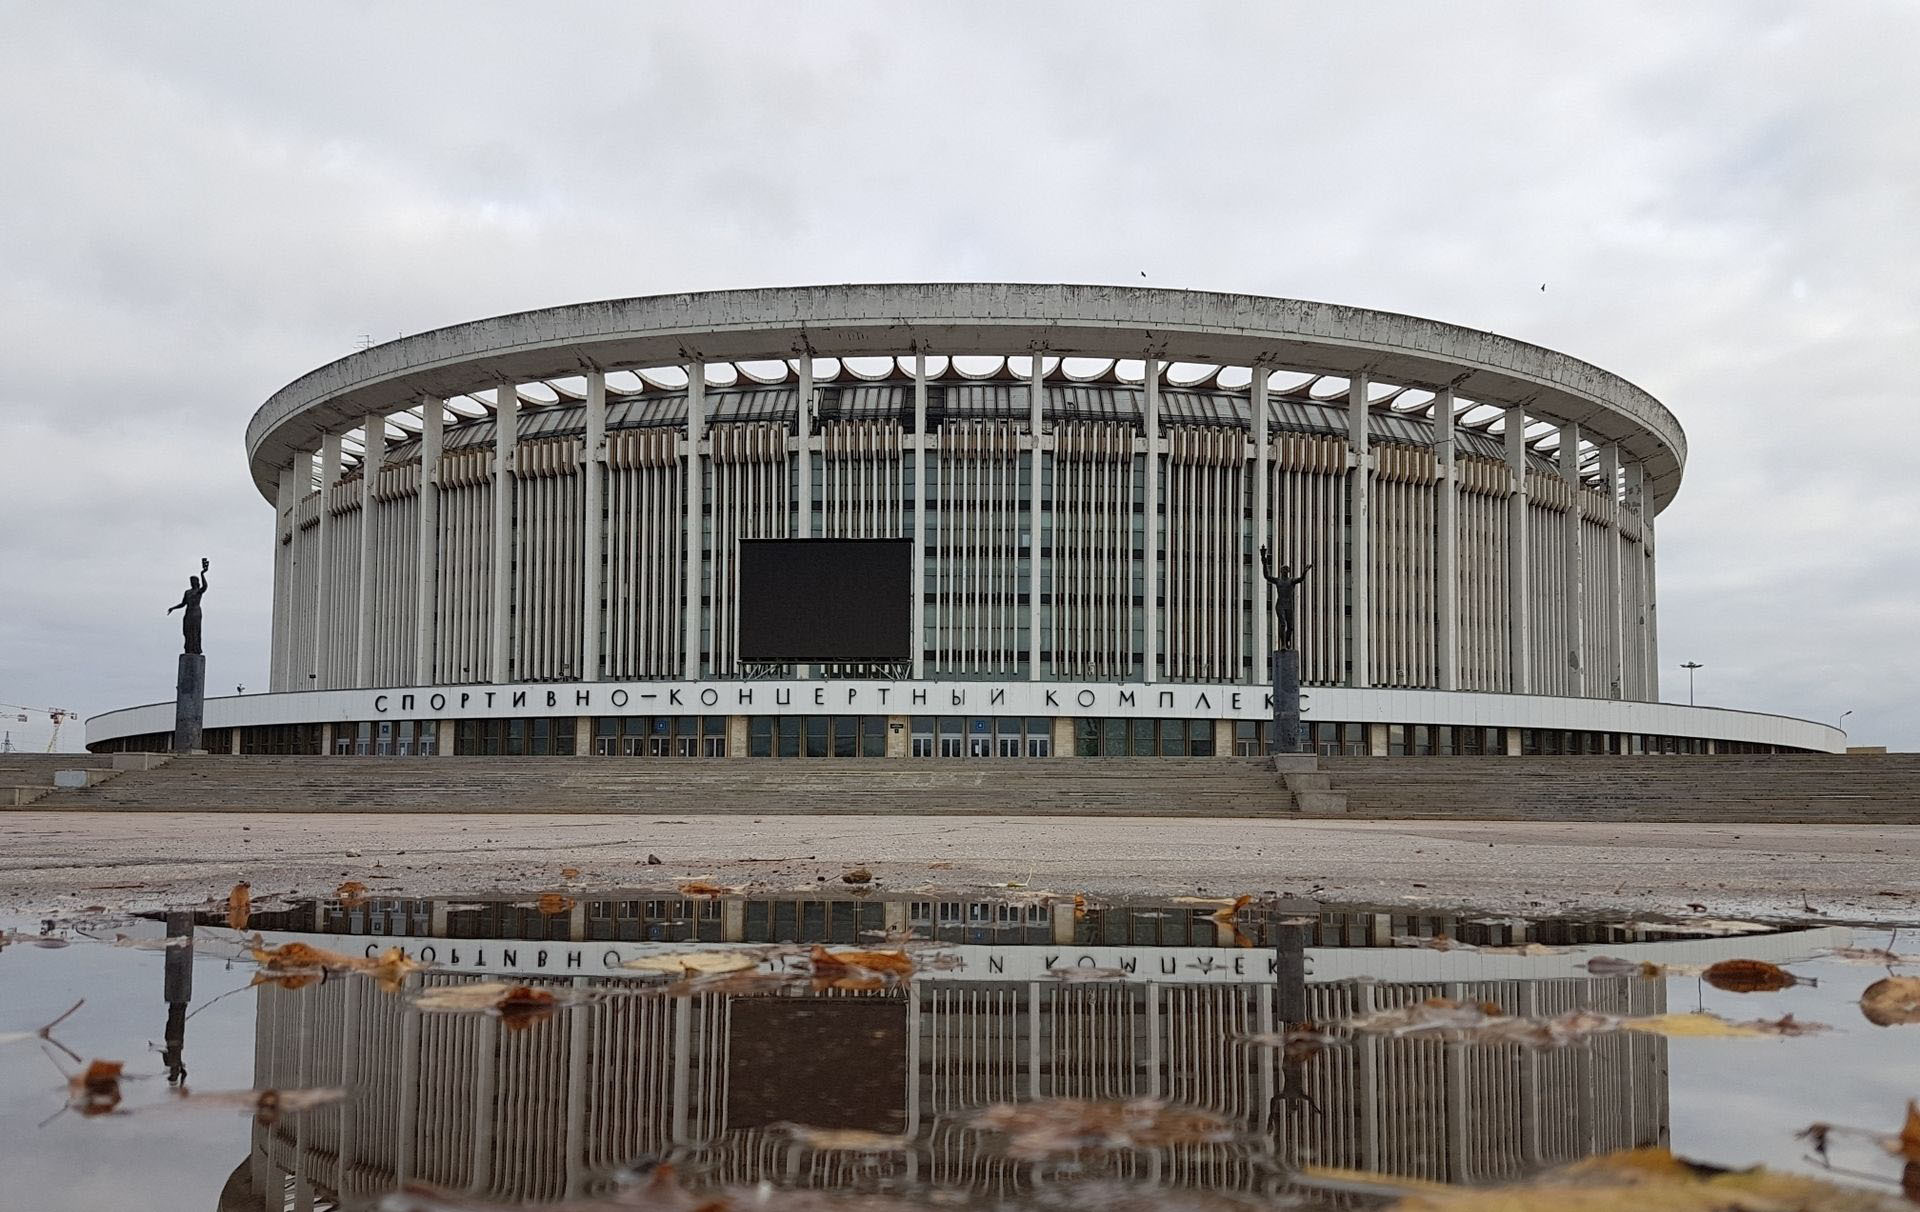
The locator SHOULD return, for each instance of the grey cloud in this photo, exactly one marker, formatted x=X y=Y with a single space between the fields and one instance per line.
x=205 y=202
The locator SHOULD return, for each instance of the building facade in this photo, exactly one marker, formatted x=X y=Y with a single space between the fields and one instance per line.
x=520 y=534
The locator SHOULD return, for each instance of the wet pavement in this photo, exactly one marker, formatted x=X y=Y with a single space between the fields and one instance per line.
x=710 y=1046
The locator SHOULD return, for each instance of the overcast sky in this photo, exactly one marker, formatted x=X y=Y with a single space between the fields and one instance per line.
x=201 y=202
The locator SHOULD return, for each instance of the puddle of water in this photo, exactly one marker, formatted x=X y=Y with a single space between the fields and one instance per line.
x=745 y=1042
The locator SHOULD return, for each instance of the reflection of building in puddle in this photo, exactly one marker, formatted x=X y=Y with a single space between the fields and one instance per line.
x=946 y=917
x=461 y=1102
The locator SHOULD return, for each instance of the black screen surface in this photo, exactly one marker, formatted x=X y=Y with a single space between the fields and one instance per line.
x=826 y=600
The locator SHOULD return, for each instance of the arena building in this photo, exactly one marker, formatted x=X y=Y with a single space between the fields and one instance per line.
x=523 y=534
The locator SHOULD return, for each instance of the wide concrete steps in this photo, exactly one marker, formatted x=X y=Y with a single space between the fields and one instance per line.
x=1787 y=788
x=1756 y=788
x=1122 y=786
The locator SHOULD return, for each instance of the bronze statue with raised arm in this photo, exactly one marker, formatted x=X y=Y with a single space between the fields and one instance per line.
x=190 y=622
x=1283 y=587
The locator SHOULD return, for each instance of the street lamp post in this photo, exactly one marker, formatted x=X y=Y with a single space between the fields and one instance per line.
x=1690 y=666
x=1842 y=725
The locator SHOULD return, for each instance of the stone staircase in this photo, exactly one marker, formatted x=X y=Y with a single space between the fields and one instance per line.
x=677 y=786
x=27 y=778
x=1308 y=786
x=1787 y=788
x=1758 y=788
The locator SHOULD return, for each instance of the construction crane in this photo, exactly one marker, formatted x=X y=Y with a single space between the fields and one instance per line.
x=24 y=715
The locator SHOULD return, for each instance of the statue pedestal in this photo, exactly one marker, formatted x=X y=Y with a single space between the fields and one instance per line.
x=189 y=701
x=1286 y=702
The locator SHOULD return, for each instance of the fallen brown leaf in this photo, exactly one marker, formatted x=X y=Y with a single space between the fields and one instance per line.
x=552 y=904
x=1057 y=1127
x=1701 y=1025
x=702 y=888
x=239 y=905
x=890 y=963
x=1892 y=1001
x=1608 y=965
x=847 y=1140
x=517 y=1006
x=688 y=963
x=859 y=875
x=1438 y=942
x=522 y=1007
x=1879 y=957
x=266 y=1106
x=351 y=894
x=95 y=1090
x=1633 y=1180
x=569 y=873
x=1486 y=1023
x=297 y=965
x=1295 y=1044
x=1749 y=976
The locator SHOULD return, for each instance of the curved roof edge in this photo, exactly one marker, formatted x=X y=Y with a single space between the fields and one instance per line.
x=965 y=318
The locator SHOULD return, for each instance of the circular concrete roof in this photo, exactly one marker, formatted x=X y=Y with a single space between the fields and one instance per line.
x=966 y=318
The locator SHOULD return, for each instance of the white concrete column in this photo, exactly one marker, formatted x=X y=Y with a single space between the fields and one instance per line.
x=376 y=454
x=1615 y=673
x=324 y=621
x=696 y=484
x=1636 y=500
x=1150 y=545
x=1576 y=564
x=281 y=674
x=1263 y=528
x=919 y=613
x=1359 y=533
x=593 y=466
x=506 y=413
x=433 y=419
x=1036 y=386
x=1447 y=522
x=1519 y=620
x=803 y=431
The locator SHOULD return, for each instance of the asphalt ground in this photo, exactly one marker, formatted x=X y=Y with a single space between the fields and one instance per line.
x=54 y=862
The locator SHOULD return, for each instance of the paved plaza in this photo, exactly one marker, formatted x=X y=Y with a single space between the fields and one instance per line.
x=67 y=861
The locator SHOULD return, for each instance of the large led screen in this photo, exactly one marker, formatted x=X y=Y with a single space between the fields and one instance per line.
x=826 y=601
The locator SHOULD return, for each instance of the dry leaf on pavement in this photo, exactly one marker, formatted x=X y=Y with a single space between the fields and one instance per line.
x=296 y=965
x=689 y=963
x=846 y=1140
x=1633 y=1180
x=1750 y=976
x=239 y=905
x=516 y=1006
x=1892 y=1001
x=266 y=1106
x=1879 y=957
x=1061 y=1126
x=95 y=1090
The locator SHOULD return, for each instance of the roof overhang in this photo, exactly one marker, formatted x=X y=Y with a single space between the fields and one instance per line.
x=962 y=319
